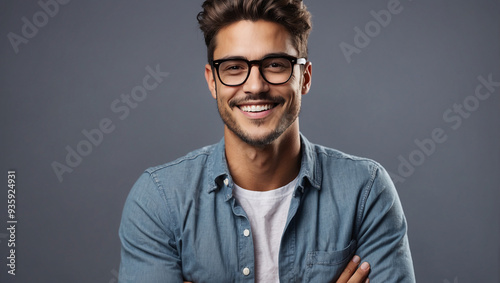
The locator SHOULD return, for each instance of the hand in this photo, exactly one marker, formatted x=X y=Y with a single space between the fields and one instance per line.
x=360 y=274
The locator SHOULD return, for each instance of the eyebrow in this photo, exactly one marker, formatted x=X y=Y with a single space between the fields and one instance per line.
x=275 y=54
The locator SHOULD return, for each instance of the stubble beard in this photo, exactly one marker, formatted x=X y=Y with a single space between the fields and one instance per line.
x=284 y=123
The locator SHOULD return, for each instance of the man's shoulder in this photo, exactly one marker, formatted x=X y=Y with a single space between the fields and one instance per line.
x=182 y=175
x=332 y=165
x=345 y=171
x=334 y=156
x=193 y=160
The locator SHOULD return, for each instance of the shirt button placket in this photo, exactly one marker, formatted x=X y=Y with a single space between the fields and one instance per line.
x=246 y=270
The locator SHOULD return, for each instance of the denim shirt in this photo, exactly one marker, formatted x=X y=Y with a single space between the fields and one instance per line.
x=182 y=222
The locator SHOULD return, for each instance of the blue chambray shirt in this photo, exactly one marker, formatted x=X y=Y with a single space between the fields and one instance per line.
x=182 y=222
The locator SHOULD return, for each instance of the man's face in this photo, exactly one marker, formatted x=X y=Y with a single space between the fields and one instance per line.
x=256 y=111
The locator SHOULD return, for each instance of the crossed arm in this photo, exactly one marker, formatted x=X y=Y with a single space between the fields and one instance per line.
x=352 y=274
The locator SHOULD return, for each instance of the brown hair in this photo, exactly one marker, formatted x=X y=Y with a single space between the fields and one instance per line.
x=292 y=14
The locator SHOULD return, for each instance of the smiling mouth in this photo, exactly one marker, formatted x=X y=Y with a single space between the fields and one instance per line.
x=257 y=108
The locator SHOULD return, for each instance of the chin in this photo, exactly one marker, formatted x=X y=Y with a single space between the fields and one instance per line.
x=260 y=138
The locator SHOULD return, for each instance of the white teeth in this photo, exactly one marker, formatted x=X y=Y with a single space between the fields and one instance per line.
x=256 y=108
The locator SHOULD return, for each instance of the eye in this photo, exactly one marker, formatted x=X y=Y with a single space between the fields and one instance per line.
x=233 y=67
x=276 y=64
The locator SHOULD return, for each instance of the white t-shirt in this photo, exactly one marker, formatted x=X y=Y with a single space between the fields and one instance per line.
x=267 y=212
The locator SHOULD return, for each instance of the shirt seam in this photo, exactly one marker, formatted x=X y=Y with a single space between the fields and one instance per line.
x=161 y=190
x=155 y=169
x=366 y=192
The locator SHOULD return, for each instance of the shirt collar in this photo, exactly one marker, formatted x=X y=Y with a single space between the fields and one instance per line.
x=309 y=174
x=310 y=169
x=217 y=167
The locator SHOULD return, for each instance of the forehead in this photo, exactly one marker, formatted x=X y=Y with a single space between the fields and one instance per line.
x=253 y=40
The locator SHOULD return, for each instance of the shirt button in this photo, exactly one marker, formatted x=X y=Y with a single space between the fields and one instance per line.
x=226 y=182
x=246 y=271
x=246 y=233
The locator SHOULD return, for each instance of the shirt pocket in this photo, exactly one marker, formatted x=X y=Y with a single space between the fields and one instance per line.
x=326 y=266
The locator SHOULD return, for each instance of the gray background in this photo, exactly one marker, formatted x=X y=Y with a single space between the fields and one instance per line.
x=64 y=79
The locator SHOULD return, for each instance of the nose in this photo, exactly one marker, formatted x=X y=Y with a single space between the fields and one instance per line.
x=255 y=82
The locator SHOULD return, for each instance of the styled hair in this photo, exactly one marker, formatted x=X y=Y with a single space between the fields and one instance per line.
x=292 y=14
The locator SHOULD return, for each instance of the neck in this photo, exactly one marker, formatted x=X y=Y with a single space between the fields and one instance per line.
x=264 y=168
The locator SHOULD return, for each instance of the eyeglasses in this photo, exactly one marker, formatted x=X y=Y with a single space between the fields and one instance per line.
x=275 y=70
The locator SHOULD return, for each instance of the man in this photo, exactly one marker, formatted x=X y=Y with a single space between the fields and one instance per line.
x=264 y=204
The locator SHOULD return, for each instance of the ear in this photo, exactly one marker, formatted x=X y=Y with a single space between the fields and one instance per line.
x=306 y=78
x=209 y=76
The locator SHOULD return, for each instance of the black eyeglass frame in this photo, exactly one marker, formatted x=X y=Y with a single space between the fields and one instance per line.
x=293 y=60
